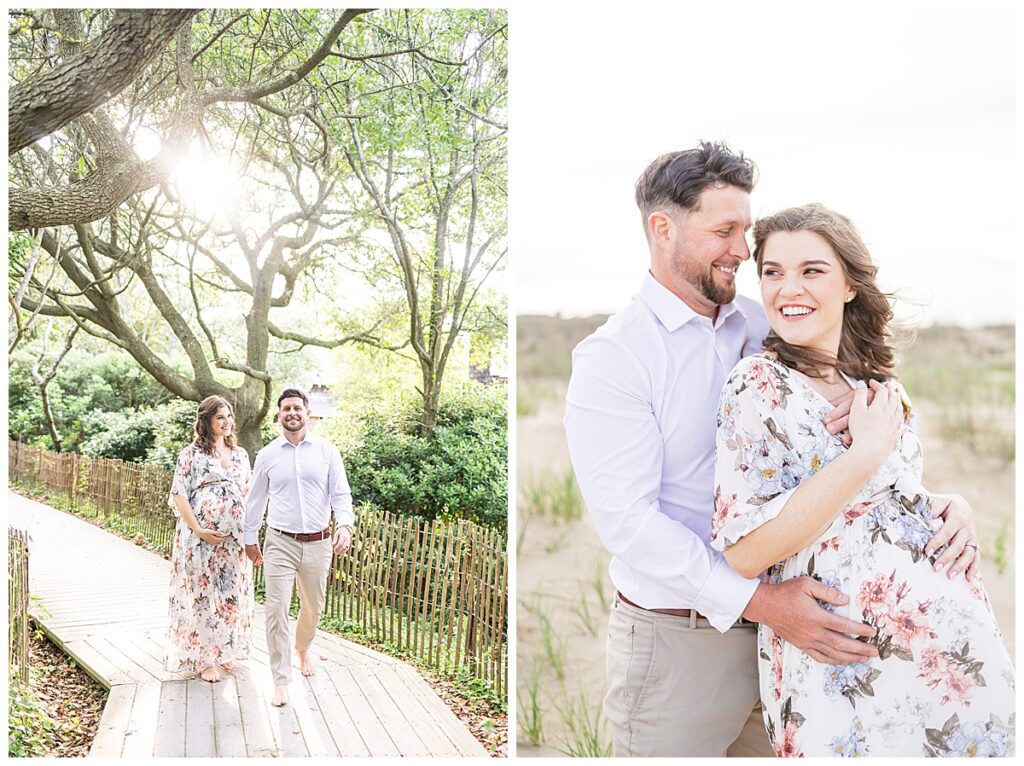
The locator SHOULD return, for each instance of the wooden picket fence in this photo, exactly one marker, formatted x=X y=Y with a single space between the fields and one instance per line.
x=17 y=604
x=433 y=591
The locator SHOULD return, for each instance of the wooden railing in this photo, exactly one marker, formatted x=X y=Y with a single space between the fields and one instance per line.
x=17 y=603
x=429 y=590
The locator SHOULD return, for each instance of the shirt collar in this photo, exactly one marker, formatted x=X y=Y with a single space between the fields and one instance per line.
x=280 y=441
x=673 y=312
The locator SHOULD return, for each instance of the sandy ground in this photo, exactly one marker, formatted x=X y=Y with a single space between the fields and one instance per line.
x=562 y=571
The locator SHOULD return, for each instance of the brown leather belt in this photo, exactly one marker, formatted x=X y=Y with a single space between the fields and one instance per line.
x=673 y=612
x=677 y=612
x=306 y=537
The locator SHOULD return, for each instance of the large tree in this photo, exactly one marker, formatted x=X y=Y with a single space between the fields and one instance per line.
x=118 y=249
x=115 y=171
x=334 y=131
x=55 y=95
x=432 y=159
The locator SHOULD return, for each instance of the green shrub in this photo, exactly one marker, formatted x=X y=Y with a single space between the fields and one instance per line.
x=87 y=383
x=461 y=473
x=30 y=728
x=153 y=435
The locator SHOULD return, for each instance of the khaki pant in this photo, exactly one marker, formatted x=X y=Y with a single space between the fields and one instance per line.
x=678 y=687
x=286 y=561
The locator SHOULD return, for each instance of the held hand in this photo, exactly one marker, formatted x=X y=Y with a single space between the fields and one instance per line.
x=211 y=536
x=957 y=534
x=253 y=552
x=342 y=540
x=792 y=610
x=838 y=418
x=875 y=427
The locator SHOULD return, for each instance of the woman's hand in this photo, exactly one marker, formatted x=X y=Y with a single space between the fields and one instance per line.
x=875 y=427
x=211 y=536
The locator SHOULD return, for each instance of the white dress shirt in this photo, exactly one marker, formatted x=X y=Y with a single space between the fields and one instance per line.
x=302 y=483
x=641 y=420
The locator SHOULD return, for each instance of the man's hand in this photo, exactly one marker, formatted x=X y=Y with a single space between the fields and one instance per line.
x=957 y=534
x=342 y=540
x=792 y=610
x=253 y=552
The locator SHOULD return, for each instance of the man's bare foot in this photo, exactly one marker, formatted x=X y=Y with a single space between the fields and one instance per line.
x=280 y=696
x=211 y=674
x=306 y=664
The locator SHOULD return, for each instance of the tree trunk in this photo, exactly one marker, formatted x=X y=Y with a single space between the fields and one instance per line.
x=248 y=433
x=51 y=426
x=100 y=71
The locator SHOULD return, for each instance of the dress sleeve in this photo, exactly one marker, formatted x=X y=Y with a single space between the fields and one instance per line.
x=754 y=458
x=184 y=481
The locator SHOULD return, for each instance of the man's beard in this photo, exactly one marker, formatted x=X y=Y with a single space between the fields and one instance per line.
x=704 y=281
x=290 y=425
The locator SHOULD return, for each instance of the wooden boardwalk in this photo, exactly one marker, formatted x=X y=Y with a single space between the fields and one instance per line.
x=104 y=600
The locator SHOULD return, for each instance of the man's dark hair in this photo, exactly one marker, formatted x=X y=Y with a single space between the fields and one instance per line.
x=296 y=393
x=678 y=178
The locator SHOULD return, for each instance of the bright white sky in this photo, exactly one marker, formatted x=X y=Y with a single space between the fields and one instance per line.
x=902 y=119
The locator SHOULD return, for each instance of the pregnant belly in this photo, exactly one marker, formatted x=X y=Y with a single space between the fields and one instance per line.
x=222 y=511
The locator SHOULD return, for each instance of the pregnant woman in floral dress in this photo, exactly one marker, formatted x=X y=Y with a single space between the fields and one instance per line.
x=211 y=604
x=793 y=500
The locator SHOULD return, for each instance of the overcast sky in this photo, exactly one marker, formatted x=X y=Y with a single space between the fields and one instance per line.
x=901 y=119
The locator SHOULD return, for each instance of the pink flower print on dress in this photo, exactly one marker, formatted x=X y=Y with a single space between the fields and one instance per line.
x=878 y=597
x=725 y=510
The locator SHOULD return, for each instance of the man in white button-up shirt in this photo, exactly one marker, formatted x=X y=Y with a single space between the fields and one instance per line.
x=297 y=479
x=640 y=422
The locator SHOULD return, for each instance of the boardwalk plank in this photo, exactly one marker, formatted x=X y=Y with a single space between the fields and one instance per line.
x=439 y=712
x=391 y=718
x=229 y=737
x=256 y=727
x=96 y=664
x=113 y=654
x=429 y=729
x=199 y=741
x=109 y=740
x=170 y=736
x=315 y=730
x=373 y=732
x=140 y=737
x=343 y=729
x=287 y=730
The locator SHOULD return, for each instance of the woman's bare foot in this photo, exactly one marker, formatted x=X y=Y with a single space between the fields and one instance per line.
x=228 y=665
x=306 y=665
x=280 y=696
x=211 y=674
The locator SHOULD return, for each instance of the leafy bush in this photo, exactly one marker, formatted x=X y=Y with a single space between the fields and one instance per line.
x=155 y=435
x=461 y=473
x=86 y=383
x=30 y=728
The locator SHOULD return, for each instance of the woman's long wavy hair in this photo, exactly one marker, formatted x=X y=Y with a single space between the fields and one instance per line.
x=865 y=352
x=208 y=409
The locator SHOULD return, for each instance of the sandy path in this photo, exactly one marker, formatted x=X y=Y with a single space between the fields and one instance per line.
x=562 y=570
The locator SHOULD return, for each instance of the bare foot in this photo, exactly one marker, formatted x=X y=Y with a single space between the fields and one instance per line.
x=228 y=665
x=306 y=664
x=280 y=696
x=211 y=674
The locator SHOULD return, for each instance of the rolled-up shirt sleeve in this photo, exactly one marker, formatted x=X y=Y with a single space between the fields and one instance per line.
x=339 y=491
x=256 y=500
x=617 y=451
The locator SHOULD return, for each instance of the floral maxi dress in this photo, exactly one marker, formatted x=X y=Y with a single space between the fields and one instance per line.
x=943 y=683
x=211 y=602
